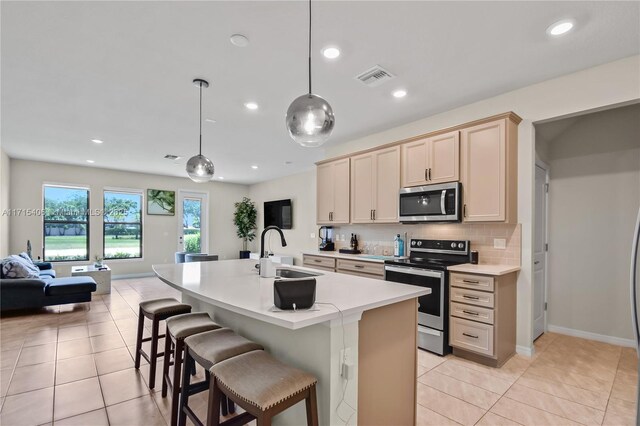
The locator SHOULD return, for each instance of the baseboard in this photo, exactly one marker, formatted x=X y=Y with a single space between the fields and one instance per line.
x=523 y=350
x=126 y=276
x=592 y=336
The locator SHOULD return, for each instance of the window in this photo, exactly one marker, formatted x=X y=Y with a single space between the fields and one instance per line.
x=66 y=223
x=122 y=237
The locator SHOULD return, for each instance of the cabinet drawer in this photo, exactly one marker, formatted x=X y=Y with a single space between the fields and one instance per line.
x=319 y=262
x=359 y=274
x=473 y=313
x=370 y=268
x=476 y=282
x=471 y=336
x=473 y=297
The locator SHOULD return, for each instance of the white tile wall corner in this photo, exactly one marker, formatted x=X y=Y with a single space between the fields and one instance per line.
x=480 y=235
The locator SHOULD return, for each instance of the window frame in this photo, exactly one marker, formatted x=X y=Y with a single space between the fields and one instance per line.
x=45 y=221
x=131 y=191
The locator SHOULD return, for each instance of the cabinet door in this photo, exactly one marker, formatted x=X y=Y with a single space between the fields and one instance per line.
x=483 y=171
x=362 y=180
x=414 y=163
x=443 y=152
x=341 y=200
x=325 y=192
x=387 y=185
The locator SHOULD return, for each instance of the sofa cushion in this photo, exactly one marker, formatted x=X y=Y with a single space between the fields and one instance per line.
x=70 y=285
x=48 y=273
x=16 y=267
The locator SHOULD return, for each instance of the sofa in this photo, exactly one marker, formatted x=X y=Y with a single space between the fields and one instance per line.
x=46 y=290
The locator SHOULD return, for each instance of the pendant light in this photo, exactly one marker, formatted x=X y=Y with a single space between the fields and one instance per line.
x=199 y=167
x=310 y=118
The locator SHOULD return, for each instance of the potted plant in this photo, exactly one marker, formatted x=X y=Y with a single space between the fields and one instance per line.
x=245 y=220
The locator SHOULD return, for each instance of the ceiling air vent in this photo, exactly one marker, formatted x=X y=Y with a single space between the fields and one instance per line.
x=172 y=157
x=375 y=76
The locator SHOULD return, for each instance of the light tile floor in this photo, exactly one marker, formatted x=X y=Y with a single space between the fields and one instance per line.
x=73 y=365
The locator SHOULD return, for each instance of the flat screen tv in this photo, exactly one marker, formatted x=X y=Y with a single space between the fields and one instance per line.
x=278 y=213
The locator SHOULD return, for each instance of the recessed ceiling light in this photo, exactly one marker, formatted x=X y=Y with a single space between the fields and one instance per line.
x=96 y=141
x=251 y=105
x=221 y=177
x=400 y=93
x=210 y=120
x=239 y=40
x=254 y=167
x=90 y=161
x=560 y=27
x=331 y=52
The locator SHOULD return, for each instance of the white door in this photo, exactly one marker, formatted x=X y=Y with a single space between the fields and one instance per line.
x=192 y=221
x=540 y=250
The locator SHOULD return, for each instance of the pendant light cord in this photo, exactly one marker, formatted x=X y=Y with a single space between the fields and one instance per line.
x=309 y=46
x=200 y=119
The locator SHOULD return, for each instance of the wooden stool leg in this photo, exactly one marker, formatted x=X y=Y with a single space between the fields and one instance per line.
x=178 y=366
x=139 y=337
x=312 y=407
x=215 y=399
x=184 y=395
x=153 y=357
x=263 y=420
x=165 y=363
x=231 y=406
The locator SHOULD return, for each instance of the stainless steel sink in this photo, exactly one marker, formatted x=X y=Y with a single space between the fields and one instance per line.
x=294 y=273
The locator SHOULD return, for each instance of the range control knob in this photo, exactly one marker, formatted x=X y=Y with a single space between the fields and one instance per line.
x=460 y=245
x=419 y=243
x=413 y=243
x=453 y=245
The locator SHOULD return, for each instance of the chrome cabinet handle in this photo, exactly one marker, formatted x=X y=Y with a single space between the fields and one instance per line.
x=471 y=282
x=359 y=266
x=374 y=215
x=470 y=312
x=426 y=174
x=317 y=260
x=429 y=173
x=470 y=335
x=536 y=262
x=464 y=210
x=466 y=296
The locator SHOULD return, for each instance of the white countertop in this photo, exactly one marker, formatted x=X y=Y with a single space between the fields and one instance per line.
x=362 y=257
x=484 y=269
x=236 y=286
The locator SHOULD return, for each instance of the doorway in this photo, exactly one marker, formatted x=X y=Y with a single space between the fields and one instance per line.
x=192 y=223
x=540 y=250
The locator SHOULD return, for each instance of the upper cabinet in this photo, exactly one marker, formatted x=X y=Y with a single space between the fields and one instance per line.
x=431 y=160
x=489 y=171
x=375 y=184
x=333 y=192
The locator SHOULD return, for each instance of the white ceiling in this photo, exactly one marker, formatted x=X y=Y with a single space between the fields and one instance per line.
x=122 y=71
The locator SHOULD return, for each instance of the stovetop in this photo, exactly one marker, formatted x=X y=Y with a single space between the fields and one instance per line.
x=434 y=254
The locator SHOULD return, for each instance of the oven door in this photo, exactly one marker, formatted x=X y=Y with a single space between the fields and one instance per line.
x=440 y=203
x=431 y=309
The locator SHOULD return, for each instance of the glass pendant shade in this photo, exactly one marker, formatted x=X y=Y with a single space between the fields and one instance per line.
x=310 y=120
x=200 y=169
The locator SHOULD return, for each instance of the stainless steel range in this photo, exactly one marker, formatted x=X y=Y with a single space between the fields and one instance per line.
x=427 y=267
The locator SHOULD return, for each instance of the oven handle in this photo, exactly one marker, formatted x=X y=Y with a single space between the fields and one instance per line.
x=414 y=271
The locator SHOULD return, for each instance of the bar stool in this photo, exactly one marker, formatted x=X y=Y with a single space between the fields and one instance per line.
x=262 y=386
x=208 y=349
x=180 y=256
x=200 y=257
x=179 y=327
x=156 y=310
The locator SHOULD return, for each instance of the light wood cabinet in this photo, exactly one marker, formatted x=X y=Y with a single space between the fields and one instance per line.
x=333 y=192
x=431 y=160
x=489 y=171
x=361 y=268
x=482 y=317
x=375 y=184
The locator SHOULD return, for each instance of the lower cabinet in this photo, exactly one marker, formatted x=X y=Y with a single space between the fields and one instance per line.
x=482 y=317
x=359 y=268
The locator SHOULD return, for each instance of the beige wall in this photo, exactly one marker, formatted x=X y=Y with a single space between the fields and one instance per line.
x=159 y=232
x=301 y=188
x=5 y=178
x=607 y=84
x=594 y=196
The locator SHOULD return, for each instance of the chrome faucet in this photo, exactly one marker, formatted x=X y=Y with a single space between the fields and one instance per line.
x=267 y=229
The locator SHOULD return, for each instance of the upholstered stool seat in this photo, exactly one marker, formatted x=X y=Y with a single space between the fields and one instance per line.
x=179 y=327
x=208 y=349
x=262 y=386
x=156 y=310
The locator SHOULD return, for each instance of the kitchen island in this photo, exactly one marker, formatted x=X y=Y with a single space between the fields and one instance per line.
x=369 y=324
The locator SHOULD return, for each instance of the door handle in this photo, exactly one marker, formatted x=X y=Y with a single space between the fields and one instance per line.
x=429 y=173
x=464 y=210
x=374 y=214
x=426 y=174
x=470 y=335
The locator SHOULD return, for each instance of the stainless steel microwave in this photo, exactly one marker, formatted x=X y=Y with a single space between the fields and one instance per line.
x=431 y=203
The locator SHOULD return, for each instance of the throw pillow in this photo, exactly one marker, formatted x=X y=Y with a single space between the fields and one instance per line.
x=26 y=257
x=16 y=267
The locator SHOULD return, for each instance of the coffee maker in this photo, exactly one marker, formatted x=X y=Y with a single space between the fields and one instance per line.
x=326 y=238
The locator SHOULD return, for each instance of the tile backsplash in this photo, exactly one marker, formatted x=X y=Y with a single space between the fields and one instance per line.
x=482 y=238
